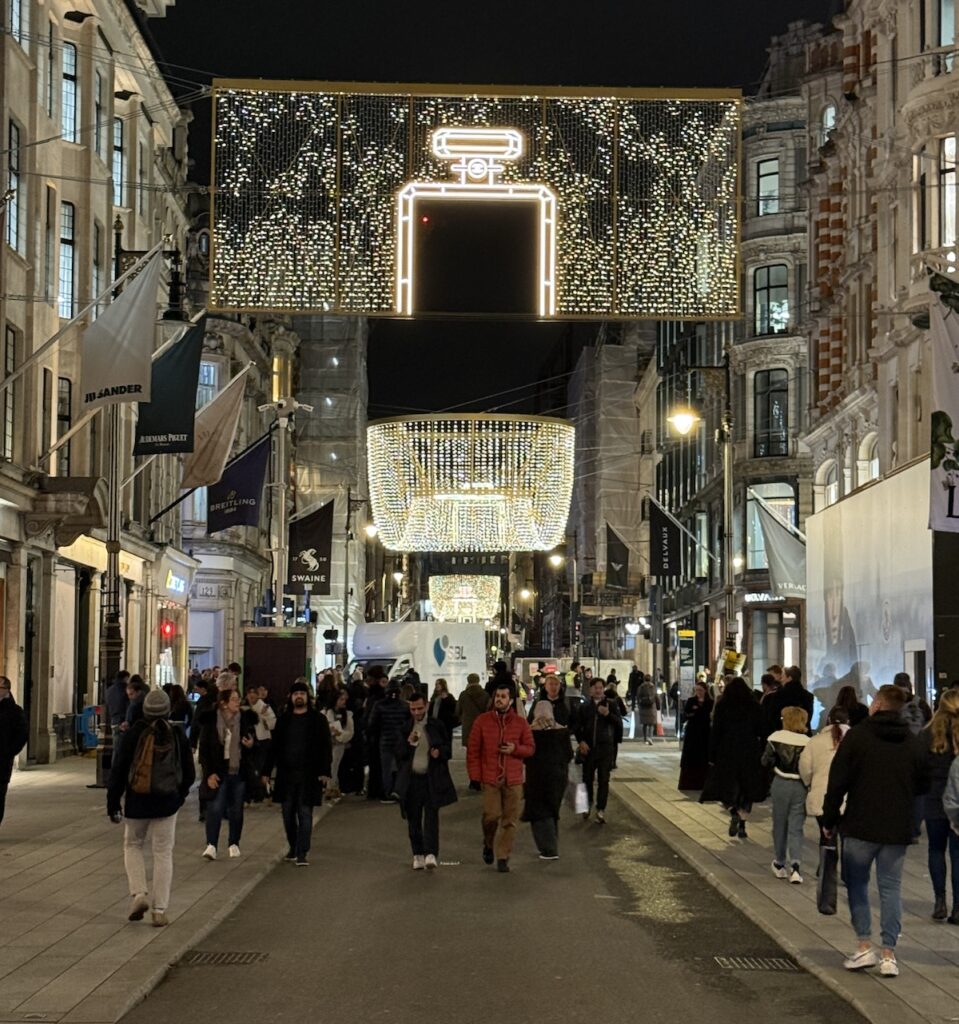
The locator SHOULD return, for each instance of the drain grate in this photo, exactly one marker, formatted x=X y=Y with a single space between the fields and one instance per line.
x=197 y=958
x=632 y=778
x=756 y=963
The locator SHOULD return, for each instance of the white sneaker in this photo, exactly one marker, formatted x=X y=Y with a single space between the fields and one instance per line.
x=234 y=850
x=210 y=852
x=419 y=862
x=779 y=870
x=431 y=862
x=864 y=958
x=601 y=817
x=888 y=967
x=795 y=878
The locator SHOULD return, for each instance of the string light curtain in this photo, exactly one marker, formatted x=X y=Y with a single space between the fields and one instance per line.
x=479 y=482
x=307 y=177
x=465 y=598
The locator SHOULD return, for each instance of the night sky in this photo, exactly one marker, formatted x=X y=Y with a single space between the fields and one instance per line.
x=697 y=43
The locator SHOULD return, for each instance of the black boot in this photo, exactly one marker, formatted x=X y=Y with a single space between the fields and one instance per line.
x=734 y=822
x=953 y=918
x=741 y=831
x=939 y=912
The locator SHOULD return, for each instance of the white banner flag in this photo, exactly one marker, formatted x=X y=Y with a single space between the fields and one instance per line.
x=943 y=453
x=214 y=432
x=786 y=555
x=116 y=349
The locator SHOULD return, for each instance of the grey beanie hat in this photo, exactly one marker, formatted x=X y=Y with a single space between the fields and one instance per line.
x=156 y=704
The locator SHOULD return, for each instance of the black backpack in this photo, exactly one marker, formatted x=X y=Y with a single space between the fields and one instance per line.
x=156 y=768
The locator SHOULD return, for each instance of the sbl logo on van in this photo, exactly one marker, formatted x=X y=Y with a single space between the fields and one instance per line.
x=443 y=650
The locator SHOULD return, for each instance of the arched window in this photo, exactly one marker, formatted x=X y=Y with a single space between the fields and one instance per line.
x=867 y=467
x=829 y=477
x=827 y=123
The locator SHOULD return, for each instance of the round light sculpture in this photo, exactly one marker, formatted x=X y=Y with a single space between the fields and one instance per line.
x=473 y=482
x=465 y=598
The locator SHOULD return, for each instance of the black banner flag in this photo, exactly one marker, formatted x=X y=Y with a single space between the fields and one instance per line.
x=236 y=498
x=311 y=547
x=665 y=549
x=165 y=423
x=617 y=560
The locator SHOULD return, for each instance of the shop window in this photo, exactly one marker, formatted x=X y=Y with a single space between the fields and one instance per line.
x=781 y=498
x=767 y=187
x=771 y=299
x=771 y=413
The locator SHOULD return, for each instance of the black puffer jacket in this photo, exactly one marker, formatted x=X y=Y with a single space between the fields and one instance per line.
x=388 y=719
x=13 y=735
x=546 y=774
x=782 y=753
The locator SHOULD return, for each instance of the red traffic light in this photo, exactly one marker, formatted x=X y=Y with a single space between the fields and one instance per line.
x=167 y=629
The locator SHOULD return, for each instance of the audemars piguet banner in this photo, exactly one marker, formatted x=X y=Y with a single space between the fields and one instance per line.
x=116 y=349
x=665 y=549
x=944 y=449
x=235 y=500
x=786 y=555
x=617 y=560
x=165 y=423
x=311 y=545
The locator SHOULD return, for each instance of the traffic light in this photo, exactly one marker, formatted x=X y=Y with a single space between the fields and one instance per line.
x=330 y=634
x=167 y=629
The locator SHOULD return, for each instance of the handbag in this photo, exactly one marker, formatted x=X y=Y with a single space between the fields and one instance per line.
x=826 y=880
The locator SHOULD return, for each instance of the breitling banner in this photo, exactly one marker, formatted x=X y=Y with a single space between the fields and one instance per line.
x=944 y=447
x=235 y=500
x=116 y=349
x=165 y=423
x=311 y=547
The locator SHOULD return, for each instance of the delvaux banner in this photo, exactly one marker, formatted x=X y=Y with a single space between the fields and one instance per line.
x=165 y=423
x=665 y=547
x=116 y=350
x=617 y=560
x=235 y=500
x=310 y=550
x=943 y=448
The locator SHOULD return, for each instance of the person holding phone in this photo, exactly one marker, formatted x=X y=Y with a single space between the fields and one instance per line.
x=597 y=727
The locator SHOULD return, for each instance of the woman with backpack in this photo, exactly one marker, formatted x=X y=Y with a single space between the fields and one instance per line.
x=151 y=775
x=226 y=758
x=648 y=701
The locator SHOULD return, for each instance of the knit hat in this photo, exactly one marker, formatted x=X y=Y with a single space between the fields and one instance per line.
x=156 y=704
x=543 y=709
x=300 y=687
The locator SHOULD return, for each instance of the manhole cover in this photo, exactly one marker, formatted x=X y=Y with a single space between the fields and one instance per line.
x=196 y=958
x=756 y=963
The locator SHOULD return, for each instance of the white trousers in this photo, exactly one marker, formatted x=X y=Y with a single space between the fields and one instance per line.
x=161 y=832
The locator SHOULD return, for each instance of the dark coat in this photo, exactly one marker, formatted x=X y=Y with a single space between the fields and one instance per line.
x=13 y=735
x=388 y=720
x=146 y=805
x=647 y=713
x=879 y=769
x=736 y=777
x=789 y=695
x=212 y=758
x=319 y=762
x=446 y=712
x=117 y=701
x=473 y=701
x=598 y=730
x=695 y=756
x=546 y=774
x=939 y=765
x=442 y=790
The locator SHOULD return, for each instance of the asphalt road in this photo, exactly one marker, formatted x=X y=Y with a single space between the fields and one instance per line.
x=618 y=929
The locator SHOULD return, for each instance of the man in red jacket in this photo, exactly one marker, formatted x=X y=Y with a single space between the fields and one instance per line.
x=499 y=743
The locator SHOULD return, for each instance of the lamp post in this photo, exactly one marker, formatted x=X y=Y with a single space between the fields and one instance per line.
x=683 y=419
x=352 y=504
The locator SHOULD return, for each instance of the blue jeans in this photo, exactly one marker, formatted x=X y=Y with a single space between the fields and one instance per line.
x=789 y=816
x=227 y=802
x=857 y=858
x=941 y=837
x=298 y=821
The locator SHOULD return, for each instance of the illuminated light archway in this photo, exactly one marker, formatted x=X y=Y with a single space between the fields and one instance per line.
x=465 y=598
x=473 y=482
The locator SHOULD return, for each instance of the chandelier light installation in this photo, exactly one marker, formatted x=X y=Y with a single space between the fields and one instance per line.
x=472 y=482
x=465 y=598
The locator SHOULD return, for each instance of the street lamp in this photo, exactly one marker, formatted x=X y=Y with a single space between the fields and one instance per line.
x=556 y=559
x=683 y=419
x=371 y=529
x=397 y=578
x=525 y=594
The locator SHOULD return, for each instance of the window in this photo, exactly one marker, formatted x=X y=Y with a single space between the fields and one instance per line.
x=14 y=206
x=98 y=122
x=64 y=422
x=781 y=498
x=947 y=32
x=66 y=294
x=50 y=66
x=118 y=192
x=771 y=299
x=827 y=123
x=8 y=397
x=208 y=384
x=98 y=282
x=20 y=22
x=68 y=94
x=46 y=411
x=830 y=484
x=142 y=178
x=771 y=413
x=50 y=214
x=767 y=187
x=701 y=555
x=867 y=466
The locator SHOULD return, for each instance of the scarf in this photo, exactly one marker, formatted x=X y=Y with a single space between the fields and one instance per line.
x=229 y=733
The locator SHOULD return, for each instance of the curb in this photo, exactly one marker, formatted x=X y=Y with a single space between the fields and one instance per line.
x=877 y=1011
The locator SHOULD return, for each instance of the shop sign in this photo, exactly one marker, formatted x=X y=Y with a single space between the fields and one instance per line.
x=175 y=584
x=762 y=597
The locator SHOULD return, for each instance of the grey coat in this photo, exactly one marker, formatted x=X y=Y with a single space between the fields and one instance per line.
x=647 y=692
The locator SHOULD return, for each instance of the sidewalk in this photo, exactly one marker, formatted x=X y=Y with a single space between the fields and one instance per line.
x=928 y=986
x=67 y=951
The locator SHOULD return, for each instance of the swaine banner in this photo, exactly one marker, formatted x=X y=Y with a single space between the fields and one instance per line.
x=943 y=448
x=786 y=555
x=236 y=499
x=311 y=546
x=116 y=349
x=665 y=547
x=165 y=423
x=617 y=560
